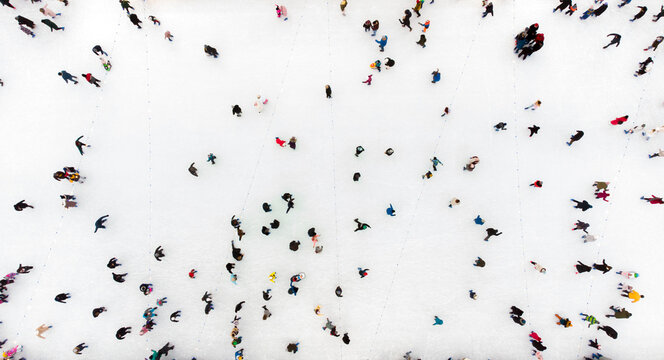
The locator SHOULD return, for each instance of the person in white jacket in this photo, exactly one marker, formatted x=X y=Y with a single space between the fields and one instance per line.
x=259 y=103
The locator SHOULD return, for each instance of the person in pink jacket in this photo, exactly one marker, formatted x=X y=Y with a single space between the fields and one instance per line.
x=48 y=12
x=284 y=12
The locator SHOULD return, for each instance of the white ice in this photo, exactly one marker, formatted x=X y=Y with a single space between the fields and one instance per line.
x=165 y=105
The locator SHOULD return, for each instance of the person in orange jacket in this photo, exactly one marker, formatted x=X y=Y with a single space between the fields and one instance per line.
x=633 y=295
x=563 y=321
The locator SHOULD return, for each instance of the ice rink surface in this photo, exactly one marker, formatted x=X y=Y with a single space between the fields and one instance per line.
x=166 y=104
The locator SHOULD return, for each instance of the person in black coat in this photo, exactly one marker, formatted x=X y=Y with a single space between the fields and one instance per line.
x=113 y=263
x=615 y=40
x=538 y=345
x=99 y=224
x=237 y=110
x=210 y=51
x=491 y=232
x=237 y=252
x=328 y=91
x=122 y=332
x=611 y=332
x=6 y=3
x=25 y=21
x=62 y=297
x=658 y=15
x=564 y=4
x=603 y=267
x=134 y=20
x=19 y=206
x=581 y=267
x=600 y=10
x=583 y=205
x=532 y=32
x=640 y=13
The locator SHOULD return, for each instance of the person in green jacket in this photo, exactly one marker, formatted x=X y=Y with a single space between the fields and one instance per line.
x=125 y=5
x=619 y=313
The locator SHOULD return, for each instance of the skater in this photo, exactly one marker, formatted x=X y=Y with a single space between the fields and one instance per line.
x=390 y=211
x=284 y=12
x=266 y=295
x=627 y=274
x=52 y=25
x=643 y=67
x=539 y=267
x=79 y=144
x=368 y=80
x=479 y=262
x=615 y=40
x=134 y=20
x=470 y=166
x=356 y=176
x=124 y=4
x=388 y=63
x=601 y=185
x=405 y=21
x=389 y=151
x=99 y=224
x=534 y=106
x=563 y=5
x=258 y=104
x=609 y=331
x=588 y=13
x=563 y=321
x=328 y=89
x=7 y=3
x=659 y=153
x=584 y=205
x=624 y=2
x=146 y=289
x=590 y=319
x=655 y=43
x=42 y=329
x=113 y=263
x=571 y=10
x=360 y=225
x=97 y=50
x=158 y=253
x=619 y=313
x=653 y=199
x=211 y=158
x=119 y=277
x=602 y=195
x=292 y=347
x=619 y=120
x=500 y=126
x=594 y=344
x=267 y=207
x=374 y=27
x=640 y=13
x=26 y=269
x=437 y=321
x=174 y=316
x=382 y=42
x=345 y=339
x=472 y=294
x=488 y=9
x=446 y=111
x=338 y=292
x=91 y=79
x=436 y=76
x=79 y=348
x=19 y=206
x=236 y=110
x=25 y=21
x=367 y=25
x=580 y=225
x=537 y=184
x=658 y=15
x=581 y=267
x=97 y=311
x=280 y=142
x=62 y=297
x=192 y=170
x=237 y=252
x=375 y=65
x=266 y=313
x=362 y=272
x=632 y=295
x=67 y=76
x=211 y=51
x=343 y=5
x=154 y=20
x=418 y=7
x=435 y=162
x=168 y=36
x=425 y=25
x=600 y=10
x=422 y=42
x=491 y=232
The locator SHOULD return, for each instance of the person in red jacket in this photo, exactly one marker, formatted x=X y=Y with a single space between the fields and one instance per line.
x=280 y=142
x=653 y=200
x=620 y=120
x=192 y=273
x=91 y=79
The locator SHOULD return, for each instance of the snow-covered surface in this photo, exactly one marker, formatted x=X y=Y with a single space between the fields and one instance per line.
x=165 y=105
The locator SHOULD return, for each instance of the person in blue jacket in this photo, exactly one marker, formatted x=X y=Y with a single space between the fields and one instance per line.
x=390 y=211
x=382 y=42
x=67 y=76
x=436 y=76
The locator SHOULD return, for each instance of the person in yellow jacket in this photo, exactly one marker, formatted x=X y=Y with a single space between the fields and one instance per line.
x=633 y=295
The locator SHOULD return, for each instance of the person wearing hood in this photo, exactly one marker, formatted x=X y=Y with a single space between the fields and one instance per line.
x=603 y=267
x=134 y=20
x=382 y=42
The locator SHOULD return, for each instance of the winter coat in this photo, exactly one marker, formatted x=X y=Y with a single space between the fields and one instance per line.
x=50 y=24
x=382 y=42
x=581 y=267
x=134 y=19
x=600 y=10
x=634 y=296
x=436 y=76
x=375 y=25
x=612 y=333
x=623 y=314
x=284 y=12
x=24 y=21
x=343 y=5
x=48 y=12
x=620 y=120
